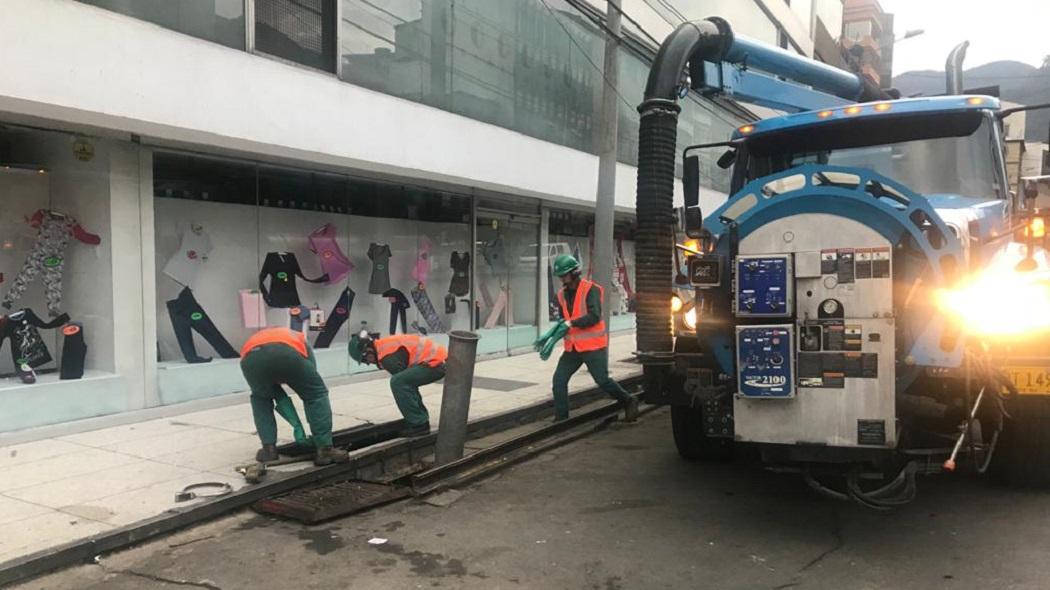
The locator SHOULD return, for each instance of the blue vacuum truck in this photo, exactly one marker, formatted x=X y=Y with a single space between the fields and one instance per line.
x=870 y=303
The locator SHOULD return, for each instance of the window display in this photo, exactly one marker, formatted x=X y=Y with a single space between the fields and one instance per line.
x=281 y=269
x=380 y=255
x=194 y=246
x=187 y=316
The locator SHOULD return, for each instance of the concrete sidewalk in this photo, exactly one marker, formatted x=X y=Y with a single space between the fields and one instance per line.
x=70 y=487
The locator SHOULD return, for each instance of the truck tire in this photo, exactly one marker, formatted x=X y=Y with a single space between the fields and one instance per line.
x=687 y=424
x=1022 y=458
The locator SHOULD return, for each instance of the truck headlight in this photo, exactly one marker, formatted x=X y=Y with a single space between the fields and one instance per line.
x=690 y=318
x=676 y=304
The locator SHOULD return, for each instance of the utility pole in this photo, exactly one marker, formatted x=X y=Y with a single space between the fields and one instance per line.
x=608 y=129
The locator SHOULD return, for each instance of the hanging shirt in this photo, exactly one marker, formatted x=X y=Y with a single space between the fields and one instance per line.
x=333 y=262
x=380 y=255
x=194 y=247
x=281 y=268
x=460 y=264
x=421 y=271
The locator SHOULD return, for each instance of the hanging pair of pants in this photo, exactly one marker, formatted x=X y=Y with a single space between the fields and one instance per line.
x=336 y=319
x=269 y=366
x=405 y=387
x=397 y=311
x=74 y=350
x=597 y=362
x=186 y=316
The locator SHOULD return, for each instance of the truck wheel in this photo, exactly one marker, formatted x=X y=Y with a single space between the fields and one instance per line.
x=1023 y=456
x=687 y=424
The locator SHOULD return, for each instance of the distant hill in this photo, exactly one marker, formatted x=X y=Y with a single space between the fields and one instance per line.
x=1018 y=82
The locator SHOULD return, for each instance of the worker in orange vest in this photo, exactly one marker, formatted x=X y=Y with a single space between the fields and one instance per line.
x=586 y=341
x=413 y=361
x=277 y=356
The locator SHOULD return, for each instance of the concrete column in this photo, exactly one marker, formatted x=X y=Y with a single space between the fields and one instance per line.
x=602 y=264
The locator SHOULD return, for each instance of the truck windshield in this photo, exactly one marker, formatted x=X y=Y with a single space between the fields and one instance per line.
x=964 y=165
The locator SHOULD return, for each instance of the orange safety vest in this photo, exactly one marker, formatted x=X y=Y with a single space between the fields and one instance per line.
x=583 y=339
x=421 y=351
x=296 y=340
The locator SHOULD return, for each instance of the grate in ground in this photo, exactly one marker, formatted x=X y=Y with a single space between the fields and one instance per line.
x=331 y=501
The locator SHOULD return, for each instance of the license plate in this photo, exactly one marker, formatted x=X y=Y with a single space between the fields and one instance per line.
x=1030 y=380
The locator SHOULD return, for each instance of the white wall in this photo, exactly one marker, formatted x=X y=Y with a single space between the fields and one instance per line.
x=77 y=64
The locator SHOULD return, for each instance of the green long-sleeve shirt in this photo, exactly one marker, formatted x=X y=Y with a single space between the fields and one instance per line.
x=594 y=307
x=395 y=362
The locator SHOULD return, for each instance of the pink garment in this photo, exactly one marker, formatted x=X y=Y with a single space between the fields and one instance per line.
x=334 y=263
x=253 y=309
x=421 y=271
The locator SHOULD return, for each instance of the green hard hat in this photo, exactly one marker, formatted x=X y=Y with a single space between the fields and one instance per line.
x=564 y=264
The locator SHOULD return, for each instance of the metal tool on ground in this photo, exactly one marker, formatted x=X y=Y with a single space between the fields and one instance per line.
x=207 y=489
x=455 y=398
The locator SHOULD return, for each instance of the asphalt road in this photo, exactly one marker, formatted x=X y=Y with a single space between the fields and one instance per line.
x=616 y=510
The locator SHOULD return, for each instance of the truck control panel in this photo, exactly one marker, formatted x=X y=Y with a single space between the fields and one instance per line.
x=765 y=359
x=764 y=286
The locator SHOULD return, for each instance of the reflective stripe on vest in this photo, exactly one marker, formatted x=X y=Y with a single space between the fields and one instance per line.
x=296 y=340
x=583 y=339
x=421 y=351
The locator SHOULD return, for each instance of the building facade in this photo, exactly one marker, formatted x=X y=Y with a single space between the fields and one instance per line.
x=178 y=174
x=867 y=40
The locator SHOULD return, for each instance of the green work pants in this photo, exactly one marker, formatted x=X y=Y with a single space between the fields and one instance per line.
x=597 y=362
x=405 y=387
x=269 y=366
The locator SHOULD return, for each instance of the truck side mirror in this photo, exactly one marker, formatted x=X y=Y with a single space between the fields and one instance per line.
x=694 y=217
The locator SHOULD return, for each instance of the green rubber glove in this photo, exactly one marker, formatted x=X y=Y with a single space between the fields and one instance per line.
x=538 y=345
x=558 y=333
x=286 y=409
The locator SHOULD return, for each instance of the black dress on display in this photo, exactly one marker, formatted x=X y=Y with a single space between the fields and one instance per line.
x=282 y=268
x=460 y=264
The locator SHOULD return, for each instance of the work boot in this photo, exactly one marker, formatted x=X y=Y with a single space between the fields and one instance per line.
x=329 y=455
x=410 y=431
x=630 y=410
x=267 y=454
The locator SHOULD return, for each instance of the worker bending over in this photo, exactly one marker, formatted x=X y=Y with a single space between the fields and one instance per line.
x=586 y=339
x=413 y=361
x=277 y=356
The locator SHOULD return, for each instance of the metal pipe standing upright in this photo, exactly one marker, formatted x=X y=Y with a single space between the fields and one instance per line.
x=455 y=398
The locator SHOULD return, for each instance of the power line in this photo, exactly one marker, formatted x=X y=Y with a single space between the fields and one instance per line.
x=660 y=14
x=624 y=14
x=967 y=77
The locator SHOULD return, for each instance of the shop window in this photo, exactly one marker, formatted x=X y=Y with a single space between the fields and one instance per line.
x=302 y=31
x=220 y=21
x=59 y=309
x=319 y=252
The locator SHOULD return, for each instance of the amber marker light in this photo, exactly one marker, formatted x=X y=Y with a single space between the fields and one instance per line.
x=882 y=107
x=746 y=129
x=853 y=110
x=975 y=100
x=825 y=114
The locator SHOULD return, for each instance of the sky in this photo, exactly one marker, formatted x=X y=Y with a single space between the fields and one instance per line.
x=1001 y=30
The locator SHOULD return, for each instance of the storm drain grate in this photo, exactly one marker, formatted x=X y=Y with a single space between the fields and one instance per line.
x=493 y=384
x=331 y=501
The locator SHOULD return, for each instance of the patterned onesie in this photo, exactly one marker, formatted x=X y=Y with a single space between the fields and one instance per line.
x=48 y=257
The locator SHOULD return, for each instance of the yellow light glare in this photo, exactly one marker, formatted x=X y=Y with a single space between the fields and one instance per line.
x=746 y=129
x=1037 y=227
x=975 y=100
x=853 y=110
x=825 y=114
x=999 y=300
x=882 y=107
x=693 y=245
x=690 y=319
x=676 y=304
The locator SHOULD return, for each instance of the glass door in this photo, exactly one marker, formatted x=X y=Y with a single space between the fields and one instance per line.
x=507 y=280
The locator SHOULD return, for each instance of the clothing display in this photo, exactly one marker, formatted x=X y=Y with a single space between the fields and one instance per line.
x=501 y=306
x=460 y=263
x=623 y=279
x=47 y=257
x=186 y=316
x=380 y=255
x=450 y=304
x=398 y=305
x=27 y=347
x=334 y=263
x=194 y=247
x=253 y=309
x=421 y=270
x=298 y=319
x=74 y=351
x=425 y=307
x=340 y=313
x=281 y=268
x=495 y=256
